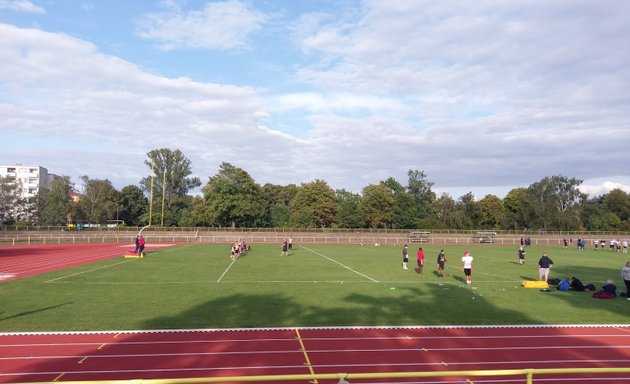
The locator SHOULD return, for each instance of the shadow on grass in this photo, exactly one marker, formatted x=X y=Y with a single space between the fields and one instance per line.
x=34 y=311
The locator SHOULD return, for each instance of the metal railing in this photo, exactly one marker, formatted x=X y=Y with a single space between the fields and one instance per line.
x=527 y=374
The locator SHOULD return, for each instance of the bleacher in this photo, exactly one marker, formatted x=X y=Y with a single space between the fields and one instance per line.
x=419 y=236
x=484 y=237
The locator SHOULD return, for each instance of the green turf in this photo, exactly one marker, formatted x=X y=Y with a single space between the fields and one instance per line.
x=196 y=286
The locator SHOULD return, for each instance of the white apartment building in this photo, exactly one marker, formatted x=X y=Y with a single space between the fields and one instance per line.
x=31 y=177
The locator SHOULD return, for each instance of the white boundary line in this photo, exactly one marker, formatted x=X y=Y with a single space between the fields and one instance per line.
x=226 y=270
x=343 y=265
x=91 y=270
x=621 y=327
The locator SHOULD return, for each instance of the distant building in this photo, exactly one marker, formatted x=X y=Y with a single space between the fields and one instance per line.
x=31 y=177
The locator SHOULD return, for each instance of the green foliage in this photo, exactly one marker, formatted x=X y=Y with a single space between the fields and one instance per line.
x=98 y=202
x=377 y=205
x=492 y=212
x=54 y=205
x=554 y=203
x=348 y=210
x=10 y=200
x=232 y=198
x=132 y=204
x=314 y=205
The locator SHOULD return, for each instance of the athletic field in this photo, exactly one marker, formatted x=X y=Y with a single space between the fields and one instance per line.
x=197 y=286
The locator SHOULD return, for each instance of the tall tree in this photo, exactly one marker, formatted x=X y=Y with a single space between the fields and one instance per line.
x=472 y=212
x=514 y=203
x=171 y=182
x=233 y=198
x=55 y=204
x=554 y=203
x=492 y=212
x=98 y=202
x=276 y=200
x=131 y=205
x=314 y=205
x=377 y=205
x=10 y=200
x=420 y=189
x=405 y=207
x=448 y=213
x=348 y=210
x=618 y=202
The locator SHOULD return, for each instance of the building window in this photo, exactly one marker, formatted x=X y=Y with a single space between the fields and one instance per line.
x=10 y=169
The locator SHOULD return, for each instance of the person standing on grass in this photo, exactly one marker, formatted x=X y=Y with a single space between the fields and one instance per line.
x=441 y=261
x=420 y=256
x=521 y=255
x=285 y=248
x=137 y=244
x=544 y=265
x=467 y=261
x=625 y=276
x=405 y=254
x=141 y=244
x=290 y=243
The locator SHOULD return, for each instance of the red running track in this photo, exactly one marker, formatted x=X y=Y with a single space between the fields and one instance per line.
x=211 y=353
x=27 y=260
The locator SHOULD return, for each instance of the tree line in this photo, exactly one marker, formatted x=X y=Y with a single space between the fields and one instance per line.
x=232 y=198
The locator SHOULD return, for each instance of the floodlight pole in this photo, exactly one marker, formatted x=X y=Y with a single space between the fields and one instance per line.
x=163 y=198
x=151 y=199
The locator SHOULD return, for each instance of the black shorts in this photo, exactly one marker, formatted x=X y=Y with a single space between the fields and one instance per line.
x=467 y=271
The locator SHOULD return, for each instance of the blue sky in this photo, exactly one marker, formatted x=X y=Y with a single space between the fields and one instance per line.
x=482 y=98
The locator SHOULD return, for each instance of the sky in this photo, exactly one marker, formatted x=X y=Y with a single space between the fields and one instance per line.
x=481 y=96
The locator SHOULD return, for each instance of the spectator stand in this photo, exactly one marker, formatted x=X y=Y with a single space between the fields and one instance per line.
x=484 y=237
x=419 y=236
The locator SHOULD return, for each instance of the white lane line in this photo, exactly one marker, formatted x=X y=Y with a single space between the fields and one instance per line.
x=343 y=265
x=226 y=270
x=91 y=270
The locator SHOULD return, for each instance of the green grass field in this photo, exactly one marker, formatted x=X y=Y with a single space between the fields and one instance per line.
x=197 y=286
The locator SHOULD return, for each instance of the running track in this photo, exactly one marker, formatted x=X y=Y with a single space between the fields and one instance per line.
x=28 y=357
x=212 y=353
x=28 y=260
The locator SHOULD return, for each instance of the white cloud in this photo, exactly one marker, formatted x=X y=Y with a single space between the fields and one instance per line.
x=23 y=6
x=219 y=25
x=603 y=188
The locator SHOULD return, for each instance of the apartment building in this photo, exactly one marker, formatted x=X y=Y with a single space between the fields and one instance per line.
x=31 y=177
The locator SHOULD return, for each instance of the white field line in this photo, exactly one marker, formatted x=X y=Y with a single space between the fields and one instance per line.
x=343 y=265
x=226 y=270
x=91 y=270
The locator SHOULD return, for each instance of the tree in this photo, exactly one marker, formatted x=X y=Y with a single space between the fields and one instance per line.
x=618 y=202
x=405 y=208
x=171 y=182
x=554 y=203
x=492 y=211
x=55 y=204
x=420 y=189
x=377 y=205
x=314 y=205
x=276 y=200
x=472 y=212
x=448 y=213
x=131 y=205
x=513 y=204
x=348 y=209
x=233 y=198
x=10 y=200
x=98 y=202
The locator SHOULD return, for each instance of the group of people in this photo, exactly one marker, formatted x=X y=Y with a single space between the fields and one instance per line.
x=614 y=245
x=608 y=291
x=238 y=249
x=287 y=245
x=140 y=243
x=467 y=261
